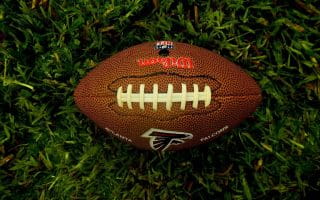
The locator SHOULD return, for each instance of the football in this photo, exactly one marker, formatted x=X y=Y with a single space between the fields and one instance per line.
x=167 y=95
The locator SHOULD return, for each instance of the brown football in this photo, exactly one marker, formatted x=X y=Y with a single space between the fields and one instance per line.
x=167 y=95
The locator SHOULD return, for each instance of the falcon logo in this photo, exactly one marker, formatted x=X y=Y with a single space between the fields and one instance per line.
x=160 y=140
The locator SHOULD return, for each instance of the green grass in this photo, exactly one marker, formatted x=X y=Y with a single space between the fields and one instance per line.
x=49 y=150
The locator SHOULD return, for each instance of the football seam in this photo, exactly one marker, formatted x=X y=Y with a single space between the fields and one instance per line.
x=162 y=73
x=215 y=106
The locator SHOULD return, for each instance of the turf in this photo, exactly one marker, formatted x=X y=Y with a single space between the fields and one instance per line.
x=49 y=150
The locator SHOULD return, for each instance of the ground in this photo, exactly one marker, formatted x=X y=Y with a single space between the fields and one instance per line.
x=49 y=150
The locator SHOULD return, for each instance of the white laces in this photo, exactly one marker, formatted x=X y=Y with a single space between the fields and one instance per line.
x=168 y=98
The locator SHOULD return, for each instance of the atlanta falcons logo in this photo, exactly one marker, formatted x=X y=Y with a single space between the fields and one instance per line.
x=160 y=140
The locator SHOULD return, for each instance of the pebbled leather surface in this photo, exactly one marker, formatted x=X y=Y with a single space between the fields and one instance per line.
x=235 y=95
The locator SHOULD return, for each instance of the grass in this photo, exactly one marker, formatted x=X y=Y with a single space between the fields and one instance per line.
x=49 y=150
